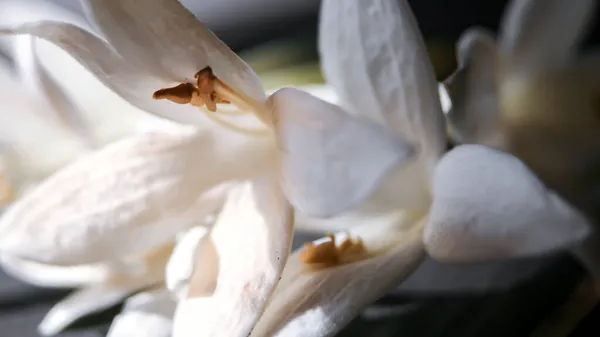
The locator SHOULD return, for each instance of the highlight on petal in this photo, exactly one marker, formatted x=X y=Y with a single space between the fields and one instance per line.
x=488 y=205
x=241 y=264
x=44 y=275
x=472 y=89
x=147 y=314
x=331 y=161
x=182 y=261
x=165 y=38
x=60 y=108
x=101 y=296
x=125 y=78
x=544 y=33
x=373 y=54
x=311 y=303
x=129 y=197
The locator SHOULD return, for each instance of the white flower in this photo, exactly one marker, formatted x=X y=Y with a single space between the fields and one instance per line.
x=475 y=203
x=530 y=94
x=135 y=195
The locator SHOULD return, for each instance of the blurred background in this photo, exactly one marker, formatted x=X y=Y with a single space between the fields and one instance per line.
x=538 y=297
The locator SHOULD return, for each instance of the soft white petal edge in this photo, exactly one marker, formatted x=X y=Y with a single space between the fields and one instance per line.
x=144 y=190
x=320 y=303
x=249 y=246
x=488 y=205
x=147 y=314
x=544 y=33
x=182 y=261
x=125 y=78
x=44 y=275
x=331 y=161
x=164 y=37
x=373 y=54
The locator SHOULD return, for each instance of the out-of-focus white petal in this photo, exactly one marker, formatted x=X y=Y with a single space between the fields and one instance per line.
x=165 y=38
x=130 y=196
x=314 y=303
x=331 y=161
x=104 y=295
x=181 y=264
x=488 y=205
x=543 y=33
x=147 y=314
x=241 y=264
x=44 y=275
x=373 y=54
x=472 y=89
x=122 y=76
x=59 y=107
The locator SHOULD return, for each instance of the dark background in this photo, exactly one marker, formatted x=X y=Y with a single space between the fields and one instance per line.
x=513 y=298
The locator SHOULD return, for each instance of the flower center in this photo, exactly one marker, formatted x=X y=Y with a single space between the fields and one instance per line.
x=208 y=91
x=328 y=254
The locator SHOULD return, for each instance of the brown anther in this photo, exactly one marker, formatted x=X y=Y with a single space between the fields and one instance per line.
x=180 y=94
x=200 y=94
x=328 y=254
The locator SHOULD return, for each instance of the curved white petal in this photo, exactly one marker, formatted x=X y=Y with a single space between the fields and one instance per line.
x=104 y=295
x=241 y=265
x=165 y=38
x=544 y=33
x=314 y=303
x=147 y=314
x=331 y=161
x=44 y=275
x=488 y=205
x=181 y=264
x=373 y=54
x=472 y=88
x=124 y=77
x=128 y=197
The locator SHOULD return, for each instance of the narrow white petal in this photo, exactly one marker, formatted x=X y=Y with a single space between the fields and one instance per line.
x=60 y=109
x=44 y=275
x=164 y=37
x=128 y=197
x=314 y=303
x=104 y=295
x=147 y=314
x=373 y=54
x=249 y=247
x=544 y=33
x=181 y=264
x=472 y=89
x=488 y=205
x=332 y=161
x=124 y=77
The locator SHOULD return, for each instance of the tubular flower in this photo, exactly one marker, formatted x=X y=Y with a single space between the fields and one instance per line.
x=531 y=93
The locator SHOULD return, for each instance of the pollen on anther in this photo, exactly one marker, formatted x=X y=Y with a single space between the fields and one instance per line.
x=328 y=254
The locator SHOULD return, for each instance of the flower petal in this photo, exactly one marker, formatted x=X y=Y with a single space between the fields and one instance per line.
x=123 y=77
x=147 y=314
x=373 y=54
x=249 y=246
x=104 y=295
x=488 y=205
x=129 y=197
x=331 y=161
x=181 y=264
x=472 y=88
x=44 y=275
x=544 y=33
x=164 y=37
x=315 y=303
